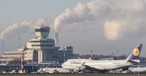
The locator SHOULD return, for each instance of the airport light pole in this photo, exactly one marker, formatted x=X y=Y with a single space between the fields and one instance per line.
x=117 y=54
x=91 y=54
x=22 y=61
x=64 y=55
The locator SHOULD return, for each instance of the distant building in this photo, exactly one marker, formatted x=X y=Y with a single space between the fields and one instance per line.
x=40 y=49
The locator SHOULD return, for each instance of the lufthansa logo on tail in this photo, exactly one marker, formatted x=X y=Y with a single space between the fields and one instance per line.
x=136 y=52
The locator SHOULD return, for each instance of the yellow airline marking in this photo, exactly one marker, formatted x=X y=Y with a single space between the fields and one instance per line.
x=136 y=52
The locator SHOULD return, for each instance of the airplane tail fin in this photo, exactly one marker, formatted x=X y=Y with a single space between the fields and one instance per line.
x=135 y=53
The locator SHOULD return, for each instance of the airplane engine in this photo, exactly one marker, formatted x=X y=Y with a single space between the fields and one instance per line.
x=124 y=69
x=79 y=69
x=76 y=70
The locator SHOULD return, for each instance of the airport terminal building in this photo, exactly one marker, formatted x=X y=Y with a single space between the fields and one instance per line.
x=40 y=49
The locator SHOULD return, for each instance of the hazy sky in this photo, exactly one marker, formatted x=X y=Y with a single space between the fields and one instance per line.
x=104 y=26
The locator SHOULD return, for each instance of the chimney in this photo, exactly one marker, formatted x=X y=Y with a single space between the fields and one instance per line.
x=56 y=38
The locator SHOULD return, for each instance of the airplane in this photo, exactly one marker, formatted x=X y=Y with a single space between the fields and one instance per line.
x=77 y=65
x=137 y=69
x=53 y=70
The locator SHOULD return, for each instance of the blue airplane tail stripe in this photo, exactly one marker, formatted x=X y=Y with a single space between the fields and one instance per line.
x=135 y=53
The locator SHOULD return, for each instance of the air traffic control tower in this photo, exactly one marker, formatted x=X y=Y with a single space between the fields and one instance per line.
x=42 y=47
x=42 y=31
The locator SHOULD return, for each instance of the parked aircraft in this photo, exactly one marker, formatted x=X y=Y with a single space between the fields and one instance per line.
x=137 y=69
x=53 y=70
x=77 y=65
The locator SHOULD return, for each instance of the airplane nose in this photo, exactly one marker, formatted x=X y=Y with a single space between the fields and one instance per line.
x=63 y=64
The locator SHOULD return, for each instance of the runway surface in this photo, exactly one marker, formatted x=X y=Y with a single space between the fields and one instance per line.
x=73 y=74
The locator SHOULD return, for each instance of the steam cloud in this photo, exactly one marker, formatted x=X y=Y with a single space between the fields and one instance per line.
x=19 y=28
x=120 y=18
x=40 y=22
x=15 y=29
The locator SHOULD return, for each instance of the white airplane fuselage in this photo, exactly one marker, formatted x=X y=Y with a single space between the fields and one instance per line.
x=96 y=64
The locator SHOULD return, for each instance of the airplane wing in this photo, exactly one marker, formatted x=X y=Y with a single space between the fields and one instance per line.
x=93 y=69
x=90 y=67
x=134 y=61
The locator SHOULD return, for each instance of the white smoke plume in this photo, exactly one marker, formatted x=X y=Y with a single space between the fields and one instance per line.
x=120 y=18
x=116 y=29
x=72 y=16
x=10 y=36
x=15 y=29
x=40 y=22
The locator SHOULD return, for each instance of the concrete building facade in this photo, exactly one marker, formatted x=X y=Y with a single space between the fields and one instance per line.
x=40 y=49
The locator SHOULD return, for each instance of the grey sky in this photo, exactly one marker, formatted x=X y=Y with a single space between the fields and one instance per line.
x=104 y=26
